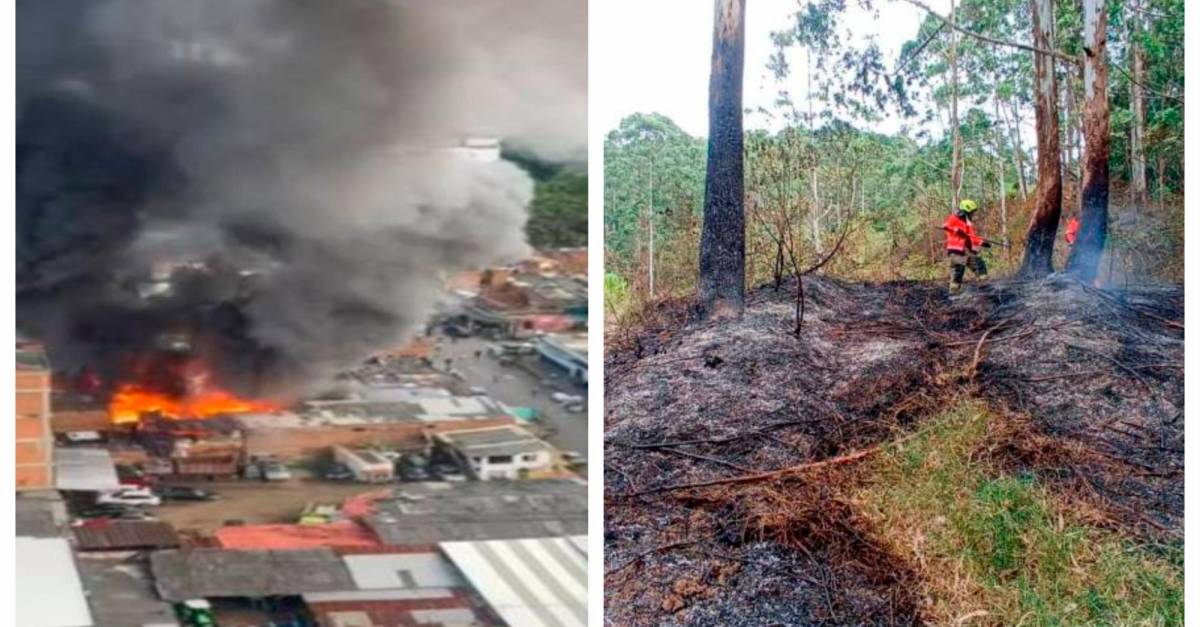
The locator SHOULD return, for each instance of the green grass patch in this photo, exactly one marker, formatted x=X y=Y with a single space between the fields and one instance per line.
x=1002 y=549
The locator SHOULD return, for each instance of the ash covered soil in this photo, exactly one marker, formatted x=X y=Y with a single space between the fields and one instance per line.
x=1096 y=377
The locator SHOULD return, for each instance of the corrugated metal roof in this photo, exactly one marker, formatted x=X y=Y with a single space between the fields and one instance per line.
x=428 y=513
x=84 y=469
x=532 y=582
x=49 y=591
x=580 y=543
x=122 y=535
x=201 y=573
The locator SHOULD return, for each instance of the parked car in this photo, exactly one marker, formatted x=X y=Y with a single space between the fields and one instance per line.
x=116 y=512
x=185 y=493
x=566 y=399
x=137 y=497
x=576 y=408
x=338 y=471
x=275 y=471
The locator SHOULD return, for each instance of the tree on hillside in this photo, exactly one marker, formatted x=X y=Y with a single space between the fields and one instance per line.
x=1093 y=222
x=723 y=239
x=1043 y=225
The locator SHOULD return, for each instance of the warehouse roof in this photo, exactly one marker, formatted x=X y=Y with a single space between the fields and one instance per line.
x=422 y=513
x=527 y=582
x=505 y=440
x=123 y=535
x=49 y=591
x=201 y=573
x=84 y=469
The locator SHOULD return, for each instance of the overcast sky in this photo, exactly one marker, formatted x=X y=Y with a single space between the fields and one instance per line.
x=655 y=56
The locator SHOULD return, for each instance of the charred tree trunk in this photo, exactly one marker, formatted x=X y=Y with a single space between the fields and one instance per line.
x=1093 y=224
x=1043 y=226
x=1137 y=106
x=723 y=238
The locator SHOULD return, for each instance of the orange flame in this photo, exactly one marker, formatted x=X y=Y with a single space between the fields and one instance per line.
x=131 y=401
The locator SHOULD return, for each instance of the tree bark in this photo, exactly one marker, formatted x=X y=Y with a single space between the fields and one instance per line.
x=1093 y=224
x=1137 y=105
x=1019 y=149
x=956 y=135
x=723 y=238
x=1043 y=226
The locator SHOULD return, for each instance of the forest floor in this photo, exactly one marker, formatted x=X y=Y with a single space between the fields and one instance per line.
x=1012 y=455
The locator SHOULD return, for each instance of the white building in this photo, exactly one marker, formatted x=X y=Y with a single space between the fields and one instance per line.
x=507 y=452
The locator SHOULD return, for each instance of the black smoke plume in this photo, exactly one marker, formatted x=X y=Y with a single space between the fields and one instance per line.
x=283 y=158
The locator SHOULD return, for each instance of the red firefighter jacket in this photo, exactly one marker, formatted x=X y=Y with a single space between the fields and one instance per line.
x=960 y=235
x=1072 y=230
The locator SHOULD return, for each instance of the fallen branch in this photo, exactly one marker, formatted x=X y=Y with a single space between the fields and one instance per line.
x=774 y=474
x=647 y=552
x=715 y=460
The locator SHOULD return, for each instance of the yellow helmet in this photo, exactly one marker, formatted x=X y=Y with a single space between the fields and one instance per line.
x=967 y=205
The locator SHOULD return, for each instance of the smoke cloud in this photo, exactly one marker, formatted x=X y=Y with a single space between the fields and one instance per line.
x=291 y=146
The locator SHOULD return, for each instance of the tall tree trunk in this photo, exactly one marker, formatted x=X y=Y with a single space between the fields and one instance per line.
x=650 y=212
x=998 y=142
x=956 y=135
x=1137 y=106
x=1043 y=226
x=723 y=238
x=1019 y=149
x=1093 y=223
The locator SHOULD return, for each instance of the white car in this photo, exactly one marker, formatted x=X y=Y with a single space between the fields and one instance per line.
x=566 y=399
x=138 y=497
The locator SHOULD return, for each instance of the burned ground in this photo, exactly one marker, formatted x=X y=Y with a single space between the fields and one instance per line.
x=702 y=529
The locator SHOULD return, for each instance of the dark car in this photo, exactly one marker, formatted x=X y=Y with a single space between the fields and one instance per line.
x=115 y=512
x=185 y=493
x=337 y=472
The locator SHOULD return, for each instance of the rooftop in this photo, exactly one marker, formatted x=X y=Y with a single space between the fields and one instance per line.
x=49 y=590
x=336 y=534
x=35 y=518
x=572 y=342
x=124 y=535
x=120 y=592
x=531 y=582
x=397 y=406
x=200 y=573
x=507 y=440
x=424 y=513
x=84 y=469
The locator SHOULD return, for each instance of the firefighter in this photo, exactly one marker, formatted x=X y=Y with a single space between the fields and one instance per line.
x=1072 y=231
x=963 y=245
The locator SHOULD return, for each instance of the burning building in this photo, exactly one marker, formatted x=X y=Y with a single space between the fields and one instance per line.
x=179 y=174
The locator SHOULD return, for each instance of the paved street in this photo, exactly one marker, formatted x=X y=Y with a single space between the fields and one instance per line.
x=516 y=386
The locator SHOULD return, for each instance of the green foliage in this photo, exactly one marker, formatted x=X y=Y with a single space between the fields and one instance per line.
x=648 y=157
x=1005 y=544
x=558 y=214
